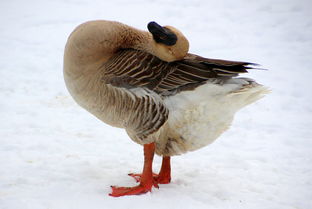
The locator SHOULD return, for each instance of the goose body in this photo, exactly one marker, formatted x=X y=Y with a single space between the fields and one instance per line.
x=167 y=99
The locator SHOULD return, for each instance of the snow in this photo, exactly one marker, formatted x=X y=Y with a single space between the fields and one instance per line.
x=55 y=155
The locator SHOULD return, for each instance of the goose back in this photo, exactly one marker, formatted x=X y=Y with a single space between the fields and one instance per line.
x=131 y=68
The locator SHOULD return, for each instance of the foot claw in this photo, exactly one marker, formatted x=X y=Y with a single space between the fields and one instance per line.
x=137 y=177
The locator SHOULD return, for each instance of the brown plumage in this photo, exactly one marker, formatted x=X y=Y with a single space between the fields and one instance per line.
x=168 y=100
x=130 y=68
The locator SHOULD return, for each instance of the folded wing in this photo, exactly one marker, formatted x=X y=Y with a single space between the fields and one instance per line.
x=133 y=68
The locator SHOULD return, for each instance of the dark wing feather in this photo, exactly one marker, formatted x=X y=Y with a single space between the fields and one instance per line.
x=133 y=68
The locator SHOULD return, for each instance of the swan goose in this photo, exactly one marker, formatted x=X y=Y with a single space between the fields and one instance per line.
x=168 y=100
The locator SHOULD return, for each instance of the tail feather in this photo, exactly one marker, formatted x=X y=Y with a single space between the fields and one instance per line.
x=220 y=67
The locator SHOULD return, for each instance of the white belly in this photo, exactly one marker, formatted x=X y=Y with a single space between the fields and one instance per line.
x=198 y=117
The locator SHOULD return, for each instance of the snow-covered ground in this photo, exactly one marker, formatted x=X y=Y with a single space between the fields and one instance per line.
x=55 y=155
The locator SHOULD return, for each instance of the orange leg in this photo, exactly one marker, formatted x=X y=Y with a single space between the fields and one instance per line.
x=146 y=180
x=164 y=176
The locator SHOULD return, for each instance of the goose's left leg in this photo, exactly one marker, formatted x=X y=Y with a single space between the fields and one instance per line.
x=164 y=176
x=146 y=180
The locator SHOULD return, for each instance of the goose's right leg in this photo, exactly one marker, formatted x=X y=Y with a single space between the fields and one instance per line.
x=146 y=181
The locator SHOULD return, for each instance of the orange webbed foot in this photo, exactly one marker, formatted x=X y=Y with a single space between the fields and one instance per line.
x=137 y=178
x=163 y=179
x=122 y=191
x=146 y=179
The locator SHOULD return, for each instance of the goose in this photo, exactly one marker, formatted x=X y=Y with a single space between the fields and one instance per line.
x=168 y=100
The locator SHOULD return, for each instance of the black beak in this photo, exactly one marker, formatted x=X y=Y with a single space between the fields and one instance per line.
x=162 y=34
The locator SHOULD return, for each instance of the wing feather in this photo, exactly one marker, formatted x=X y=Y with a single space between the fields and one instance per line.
x=134 y=68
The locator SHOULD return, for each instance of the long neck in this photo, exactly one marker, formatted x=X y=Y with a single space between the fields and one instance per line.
x=96 y=41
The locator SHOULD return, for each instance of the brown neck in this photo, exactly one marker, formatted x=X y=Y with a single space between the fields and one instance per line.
x=95 y=42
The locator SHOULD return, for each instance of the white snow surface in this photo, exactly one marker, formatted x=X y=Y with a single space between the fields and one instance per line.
x=55 y=155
